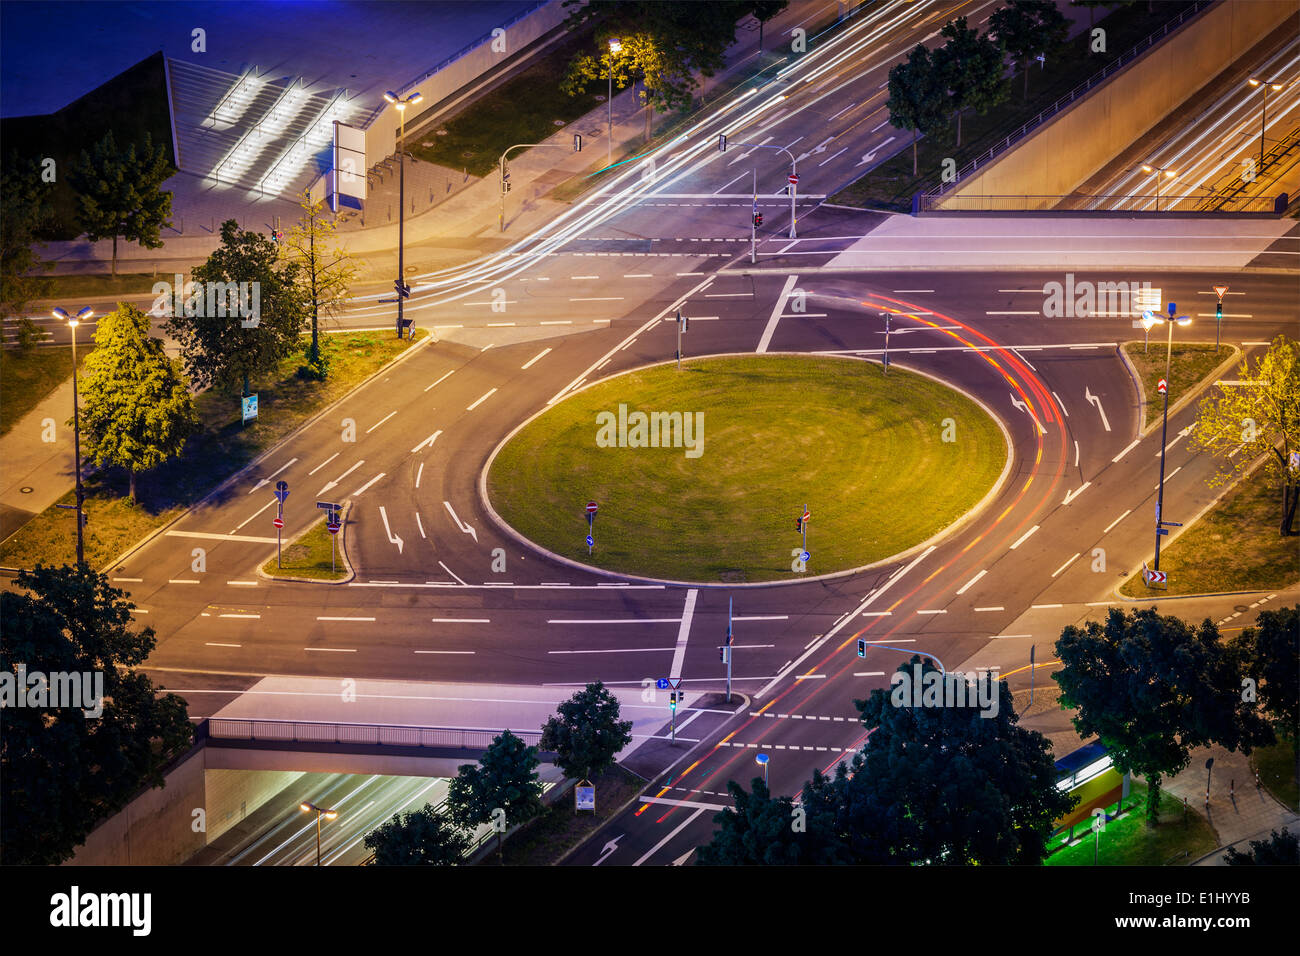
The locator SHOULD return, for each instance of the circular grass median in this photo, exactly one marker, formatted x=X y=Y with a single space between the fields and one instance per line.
x=742 y=444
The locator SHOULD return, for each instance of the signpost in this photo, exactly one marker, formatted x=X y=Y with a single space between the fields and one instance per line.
x=332 y=525
x=591 y=509
x=761 y=759
x=681 y=327
x=281 y=493
x=726 y=651
x=886 y=315
x=794 y=187
x=250 y=408
x=584 y=796
x=801 y=525
x=674 y=696
x=1219 y=290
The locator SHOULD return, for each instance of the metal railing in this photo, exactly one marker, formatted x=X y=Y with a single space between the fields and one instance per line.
x=1087 y=85
x=216 y=173
x=1118 y=202
x=386 y=735
x=311 y=128
x=248 y=74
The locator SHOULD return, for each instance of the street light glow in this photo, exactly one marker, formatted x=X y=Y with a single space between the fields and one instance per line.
x=615 y=45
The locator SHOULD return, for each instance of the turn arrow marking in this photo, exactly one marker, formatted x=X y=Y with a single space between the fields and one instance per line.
x=459 y=524
x=608 y=850
x=428 y=442
x=391 y=537
x=868 y=157
x=1094 y=400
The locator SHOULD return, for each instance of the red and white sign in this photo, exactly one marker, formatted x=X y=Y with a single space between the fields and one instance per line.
x=332 y=528
x=591 y=507
x=1156 y=577
x=279 y=522
x=1219 y=290
x=1162 y=386
x=805 y=516
x=794 y=179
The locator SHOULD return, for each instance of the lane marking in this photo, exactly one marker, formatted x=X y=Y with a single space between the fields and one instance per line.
x=367 y=484
x=965 y=587
x=221 y=537
x=1066 y=564
x=345 y=618
x=617 y=620
x=440 y=381
x=779 y=308
x=1135 y=443
x=323 y=464
x=381 y=421
x=1117 y=521
x=1024 y=537
x=534 y=359
x=481 y=400
x=684 y=633
x=998 y=608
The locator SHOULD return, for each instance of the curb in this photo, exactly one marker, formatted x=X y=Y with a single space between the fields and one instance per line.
x=1210 y=377
x=956 y=525
x=349 y=572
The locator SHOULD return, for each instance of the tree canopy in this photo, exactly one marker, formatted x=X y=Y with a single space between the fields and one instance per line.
x=918 y=96
x=971 y=68
x=120 y=194
x=24 y=209
x=587 y=734
x=1026 y=28
x=504 y=780
x=422 y=837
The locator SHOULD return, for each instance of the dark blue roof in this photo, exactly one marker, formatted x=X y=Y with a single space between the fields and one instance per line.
x=1073 y=762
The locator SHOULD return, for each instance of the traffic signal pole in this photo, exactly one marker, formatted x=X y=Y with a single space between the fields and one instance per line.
x=753 y=242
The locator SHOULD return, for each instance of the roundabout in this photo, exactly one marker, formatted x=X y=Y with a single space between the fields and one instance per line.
x=701 y=474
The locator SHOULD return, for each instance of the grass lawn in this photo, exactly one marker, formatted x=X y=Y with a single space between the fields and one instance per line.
x=96 y=286
x=1235 y=546
x=1276 y=766
x=862 y=449
x=1189 y=364
x=26 y=379
x=1129 y=842
x=309 y=557
x=891 y=184
x=544 y=840
x=222 y=447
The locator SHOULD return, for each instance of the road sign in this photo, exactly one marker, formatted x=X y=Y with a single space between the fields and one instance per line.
x=674 y=682
x=584 y=796
x=590 y=541
x=591 y=507
x=332 y=528
x=806 y=515
x=279 y=522
x=1219 y=290
x=794 y=179
x=662 y=683
x=1155 y=577
x=1162 y=386
x=250 y=407
x=761 y=758
x=805 y=557
x=328 y=506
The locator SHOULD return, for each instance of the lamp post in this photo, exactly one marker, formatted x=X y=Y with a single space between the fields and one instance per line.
x=1265 y=86
x=761 y=759
x=1149 y=319
x=614 y=47
x=1169 y=174
x=73 y=321
x=401 y=105
x=320 y=812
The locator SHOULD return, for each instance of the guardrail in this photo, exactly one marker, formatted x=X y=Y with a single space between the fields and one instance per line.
x=1118 y=202
x=250 y=73
x=1104 y=73
x=384 y=735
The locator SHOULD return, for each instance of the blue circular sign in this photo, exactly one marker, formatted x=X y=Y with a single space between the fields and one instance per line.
x=760 y=758
x=590 y=541
x=805 y=556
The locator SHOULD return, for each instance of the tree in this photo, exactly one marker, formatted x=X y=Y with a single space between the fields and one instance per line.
x=1239 y=423
x=24 y=209
x=1270 y=652
x=587 y=735
x=138 y=411
x=1152 y=688
x=120 y=193
x=325 y=271
x=765 y=831
x=971 y=67
x=917 y=96
x=502 y=789
x=422 y=837
x=219 y=349
x=61 y=771
x=1026 y=28
x=1280 y=849
x=952 y=784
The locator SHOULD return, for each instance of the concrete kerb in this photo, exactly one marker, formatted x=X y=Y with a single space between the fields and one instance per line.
x=386 y=367
x=349 y=572
x=1143 y=428
x=934 y=539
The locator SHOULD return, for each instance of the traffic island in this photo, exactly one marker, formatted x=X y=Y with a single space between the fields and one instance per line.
x=308 y=557
x=702 y=474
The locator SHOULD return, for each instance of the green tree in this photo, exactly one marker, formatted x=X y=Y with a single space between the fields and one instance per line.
x=1270 y=652
x=1153 y=688
x=918 y=99
x=1280 y=849
x=422 y=837
x=762 y=830
x=229 y=350
x=24 y=209
x=505 y=780
x=1239 y=423
x=587 y=735
x=324 y=270
x=956 y=784
x=120 y=194
x=61 y=771
x=1026 y=28
x=138 y=411
x=971 y=67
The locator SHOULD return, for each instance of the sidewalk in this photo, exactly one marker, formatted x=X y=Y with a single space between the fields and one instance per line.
x=36 y=473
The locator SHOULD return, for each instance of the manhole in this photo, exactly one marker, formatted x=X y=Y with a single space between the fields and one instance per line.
x=26 y=489
x=467 y=154
x=558 y=122
x=600 y=97
x=427 y=142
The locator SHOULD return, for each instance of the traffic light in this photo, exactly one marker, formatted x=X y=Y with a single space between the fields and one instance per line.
x=798 y=523
x=722 y=654
x=276 y=235
x=672 y=700
x=862 y=647
x=758 y=219
x=722 y=142
x=1218 y=312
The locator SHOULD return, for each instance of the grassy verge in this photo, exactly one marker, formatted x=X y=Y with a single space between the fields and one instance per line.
x=1189 y=365
x=1235 y=546
x=1276 y=767
x=100 y=286
x=1129 y=842
x=854 y=438
x=26 y=379
x=544 y=840
x=309 y=557
x=222 y=447
x=891 y=185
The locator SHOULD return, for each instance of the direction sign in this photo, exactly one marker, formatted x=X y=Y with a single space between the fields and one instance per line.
x=1162 y=386
x=1219 y=290
x=794 y=179
x=591 y=507
x=279 y=522
x=662 y=683
x=1156 y=577
x=590 y=541
x=805 y=557
x=328 y=506
x=281 y=491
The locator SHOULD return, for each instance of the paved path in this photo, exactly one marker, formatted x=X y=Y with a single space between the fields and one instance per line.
x=45 y=467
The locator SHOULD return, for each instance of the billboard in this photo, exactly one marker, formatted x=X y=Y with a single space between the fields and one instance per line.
x=347 y=178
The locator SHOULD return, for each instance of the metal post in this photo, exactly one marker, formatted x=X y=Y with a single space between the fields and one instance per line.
x=76 y=441
x=279 y=513
x=502 y=218
x=1263 y=129
x=401 y=212
x=609 y=102
x=1031 y=675
x=1164 y=430
x=794 y=188
x=753 y=226
x=729 y=639
x=886 y=314
x=318 y=838
x=803 y=526
x=679 y=340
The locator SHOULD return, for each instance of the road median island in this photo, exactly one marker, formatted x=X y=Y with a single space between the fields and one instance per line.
x=700 y=475
x=314 y=555
x=1190 y=367
x=220 y=449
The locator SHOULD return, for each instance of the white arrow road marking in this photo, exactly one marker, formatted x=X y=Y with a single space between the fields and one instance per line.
x=608 y=850
x=681 y=860
x=1093 y=399
x=681 y=826
x=459 y=524
x=335 y=482
x=1025 y=408
x=428 y=442
x=683 y=633
x=1074 y=494
x=1182 y=434
x=388 y=531
x=267 y=480
x=368 y=484
x=868 y=157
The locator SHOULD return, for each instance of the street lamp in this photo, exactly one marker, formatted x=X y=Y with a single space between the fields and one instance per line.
x=1148 y=320
x=1265 y=86
x=401 y=105
x=615 y=46
x=1169 y=174
x=320 y=812
x=73 y=321
x=761 y=759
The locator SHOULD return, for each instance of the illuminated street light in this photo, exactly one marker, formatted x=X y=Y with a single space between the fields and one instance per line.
x=1265 y=86
x=615 y=46
x=73 y=321
x=1169 y=174
x=320 y=812
x=401 y=105
x=1149 y=319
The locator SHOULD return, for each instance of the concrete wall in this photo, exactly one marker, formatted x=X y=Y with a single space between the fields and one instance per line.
x=234 y=794
x=1079 y=141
